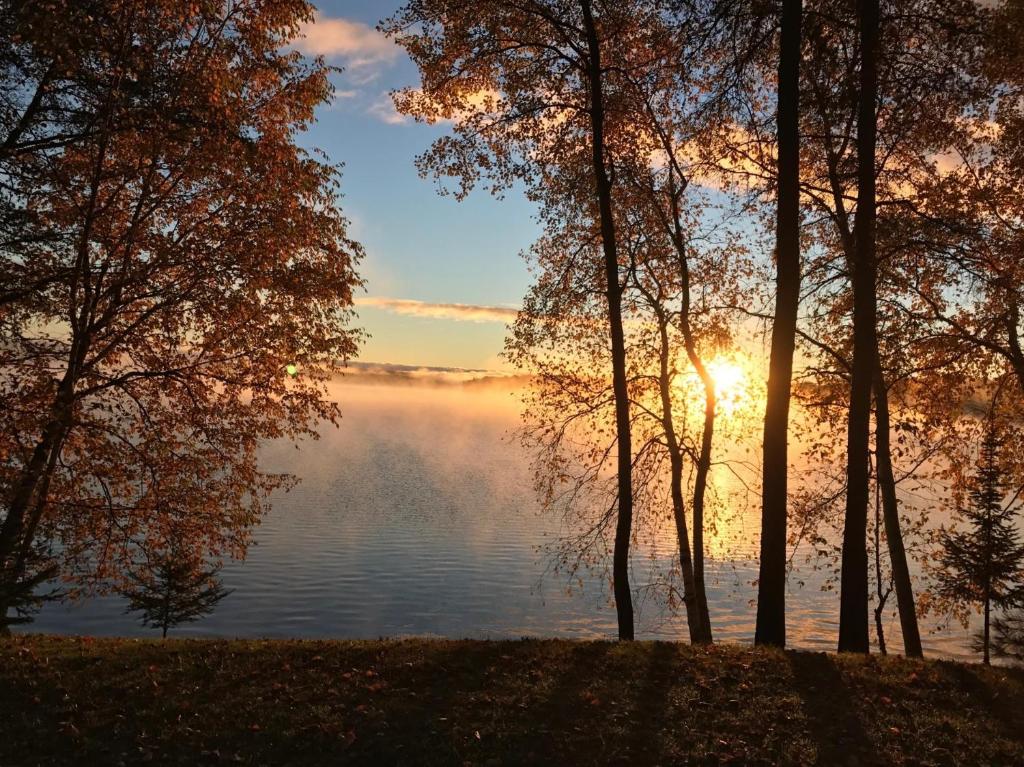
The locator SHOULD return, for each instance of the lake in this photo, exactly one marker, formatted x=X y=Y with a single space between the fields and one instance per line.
x=417 y=516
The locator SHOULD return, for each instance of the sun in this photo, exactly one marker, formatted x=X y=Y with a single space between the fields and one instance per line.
x=733 y=377
x=730 y=378
x=732 y=383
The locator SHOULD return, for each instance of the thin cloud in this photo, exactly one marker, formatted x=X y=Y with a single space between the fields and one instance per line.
x=384 y=110
x=361 y=48
x=457 y=312
x=339 y=97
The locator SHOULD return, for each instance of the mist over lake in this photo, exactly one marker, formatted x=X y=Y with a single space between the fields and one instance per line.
x=417 y=516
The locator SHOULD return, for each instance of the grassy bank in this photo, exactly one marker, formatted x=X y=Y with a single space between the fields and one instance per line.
x=105 y=702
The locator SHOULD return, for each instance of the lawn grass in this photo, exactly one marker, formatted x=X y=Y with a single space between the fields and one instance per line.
x=85 y=701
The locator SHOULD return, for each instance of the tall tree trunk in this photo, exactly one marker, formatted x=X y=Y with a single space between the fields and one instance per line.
x=27 y=486
x=853 y=602
x=13 y=538
x=890 y=510
x=23 y=492
x=986 y=592
x=707 y=435
x=880 y=605
x=694 y=617
x=880 y=628
x=699 y=487
x=23 y=513
x=624 y=525
x=28 y=500
x=771 y=588
x=675 y=230
x=882 y=593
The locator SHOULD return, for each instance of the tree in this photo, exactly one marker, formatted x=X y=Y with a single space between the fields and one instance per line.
x=984 y=564
x=1008 y=636
x=771 y=589
x=171 y=589
x=662 y=278
x=534 y=90
x=519 y=82
x=853 y=611
x=927 y=83
x=669 y=310
x=145 y=348
x=669 y=271
x=613 y=287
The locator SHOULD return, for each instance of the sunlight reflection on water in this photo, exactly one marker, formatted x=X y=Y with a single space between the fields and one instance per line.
x=417 y=517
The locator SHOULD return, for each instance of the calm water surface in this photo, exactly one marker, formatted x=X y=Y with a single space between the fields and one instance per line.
x=417 y=517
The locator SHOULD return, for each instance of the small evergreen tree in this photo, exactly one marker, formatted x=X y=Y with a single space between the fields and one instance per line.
x=983 y=565
x=1008 y=636
x=171 y=590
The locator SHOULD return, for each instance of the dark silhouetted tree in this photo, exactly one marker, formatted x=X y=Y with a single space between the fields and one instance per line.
x=1008 y=635
x=983 y=565
x=173 y=589
x=771 y=591
x=534 y=92
x=613 y=288
x=853 y=606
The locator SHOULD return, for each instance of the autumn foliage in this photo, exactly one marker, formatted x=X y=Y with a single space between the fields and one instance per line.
x=167 y=250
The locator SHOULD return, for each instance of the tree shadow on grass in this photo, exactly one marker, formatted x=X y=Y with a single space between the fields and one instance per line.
x=973 y=691
x=830 y=709
x=650 y=706
x=485 y=703
x=614 y=696
x=564 y=706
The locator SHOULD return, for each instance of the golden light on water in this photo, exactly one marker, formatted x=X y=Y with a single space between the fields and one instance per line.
x=739 y=383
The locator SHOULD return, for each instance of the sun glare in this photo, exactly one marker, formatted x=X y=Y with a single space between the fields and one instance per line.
x=733 y=384
x=731 y=381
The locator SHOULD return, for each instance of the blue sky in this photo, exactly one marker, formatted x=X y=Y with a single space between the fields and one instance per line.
x=420 y=246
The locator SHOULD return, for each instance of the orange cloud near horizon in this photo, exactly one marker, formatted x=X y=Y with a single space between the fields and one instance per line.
x=443 y=311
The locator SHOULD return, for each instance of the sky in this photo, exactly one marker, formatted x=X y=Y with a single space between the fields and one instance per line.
x=442 y=277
